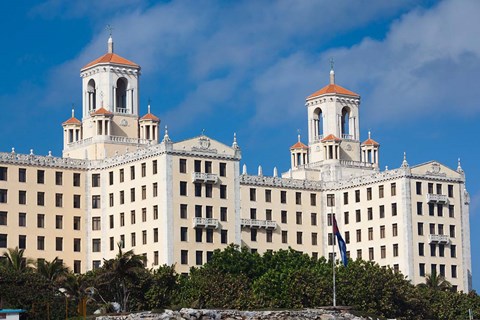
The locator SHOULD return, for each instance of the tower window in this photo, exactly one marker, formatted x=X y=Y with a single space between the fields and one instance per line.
x=121 y=95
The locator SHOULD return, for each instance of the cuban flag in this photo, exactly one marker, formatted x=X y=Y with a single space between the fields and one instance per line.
x=341 y=242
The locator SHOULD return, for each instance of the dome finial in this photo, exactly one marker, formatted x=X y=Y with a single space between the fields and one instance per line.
x=166 y=138
x=73 y=110
x=298 y=135
x=369 y=134
x=235 y=144
x=109 y=28
x=149 y=105
x=332 y=72
x=459 y=167
x=404 y=162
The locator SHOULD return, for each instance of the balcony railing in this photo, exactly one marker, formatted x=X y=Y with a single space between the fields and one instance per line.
x=254 y=223
x=205 y=223
x=438 y=238
x=204 y=177
x=437 y=198
x=347 y=136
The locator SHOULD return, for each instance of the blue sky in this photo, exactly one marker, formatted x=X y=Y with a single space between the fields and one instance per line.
x=247 y=66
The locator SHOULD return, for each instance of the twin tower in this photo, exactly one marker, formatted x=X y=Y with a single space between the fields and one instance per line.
x=111 y=124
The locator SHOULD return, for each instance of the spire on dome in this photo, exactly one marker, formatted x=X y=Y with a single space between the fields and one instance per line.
x=235 y=144
x=459 y=167
x=110 y=40
x=404 y=162
x=166 y=138
x=332 y=72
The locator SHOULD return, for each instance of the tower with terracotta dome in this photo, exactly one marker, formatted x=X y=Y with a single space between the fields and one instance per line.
x=110 y=120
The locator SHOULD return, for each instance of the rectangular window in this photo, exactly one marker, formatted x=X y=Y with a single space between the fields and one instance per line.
x=380 y=191
x=111 y=200
x=76 y=179
x=199 y=258
x=223 y=191
x=198 y=235
x=77 y=245
x=76 y=223
x=370 y=233
x=439 y=188
x=431 y=209
x=96 y=245
x=58 y=222
x=433 y=248
x=209 y=235
x=253 y=213
x=40 y=243
x=132 y=194
x=198 y=211
x=58 y=200
x=346 y=217
x=268 y=195
x=430 y=188
x=441 y=250
x=133 y=239
x=132 y=217
x=22 y=197
x=111 y=221
x=394 y=209
x=183 y=233
x=110 y=178
x=395 y=250
x=452 y=231
x=313 y=199
x=208 y=166
x=40 y=198
x=96 y=180
x=299 y=237
x=357 y=195
x=155 y=189
x=144 y=192
x=298 y=198
x=40 y=220
x=345 y=198
x=432 y=228
x=198 y=189
x=144 y=237
x=3 y=173
x=369 y=193
x=224 y=236
x=269 y=235
x=450 y=190
x=283 y=196
x=347 y=237
x=394 y=230
x=421 y=269
x=58 y=178
x=359 y=253
x=59 y=243
x=314 y=238
x=208 y=190
x=183 y=211
x=96 y=202
x=420 y=228
x=223 y=169
x=122 y=219
x=144 y=214
x=330 y=200
x=197 y=166
x=22 y=219
x=268 y=214
x=370 y=213
x=253 y=235
x=253 y=194
x=382 y=232
x=454 y=271
x=451 y=211
x=284 y=216
x=371 y=254
x=393 y=189
x=96 y=225
x=132 y=172
x=442 y=270
x=313 y=219
x=155 y=212
x=383 y=252
x=299 y=218
x=453 y=251
x=358 y=216
x=284 y=236
x=144 y=169
x=208 y=212
x=419 y=187
x=359 y=235
x=329 y=219
x=419 y=208
x=182 y=165
x=122 y=175
x=440 y=229
x=382 y=211
x=22 y=175
x=155 y=258
x=41 y=176
x=3 y=218
x=154 y=166
x=421 y=249
x=440 y=210
x=223 y=214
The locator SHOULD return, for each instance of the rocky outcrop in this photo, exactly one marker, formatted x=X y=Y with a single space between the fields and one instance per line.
x=207 y=314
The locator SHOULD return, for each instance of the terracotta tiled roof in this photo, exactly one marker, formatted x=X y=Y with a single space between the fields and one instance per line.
x=299 y=145
x=72 y=120
x=331 y=137
x=150 y=116
x=370 y=142
x=111 y=58
x=333 y=88
x=101 y=111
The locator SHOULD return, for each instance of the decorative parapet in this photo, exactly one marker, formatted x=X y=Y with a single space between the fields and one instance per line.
x=437 y=198
x=254 y=223
x=205 y=223
x=438 y=238
x=204 y=177
x=43 y=161
x=111 y=139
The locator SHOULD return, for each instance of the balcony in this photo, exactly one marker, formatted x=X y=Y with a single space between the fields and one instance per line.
x=437 y=198
x=438 y=238
x=254 y=223
x=205 y=223
x=204 y=177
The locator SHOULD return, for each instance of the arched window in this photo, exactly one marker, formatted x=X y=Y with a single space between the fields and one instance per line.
x=92 y=95
x=346 y=123
x=121 y=95
x=318 y=123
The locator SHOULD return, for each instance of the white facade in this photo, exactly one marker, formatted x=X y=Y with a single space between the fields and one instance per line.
x=176 y=202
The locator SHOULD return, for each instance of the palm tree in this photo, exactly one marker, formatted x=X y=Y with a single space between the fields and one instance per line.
x=54 y=271
x=13 y=260
x=122 y=270
x=436 y=282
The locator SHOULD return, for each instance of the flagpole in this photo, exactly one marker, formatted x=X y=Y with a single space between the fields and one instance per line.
x=333 y=263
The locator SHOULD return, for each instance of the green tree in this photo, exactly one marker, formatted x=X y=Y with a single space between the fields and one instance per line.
x=163 y=288
x=436 y=282
x=54 y=270
x=13 y=259
x=120 y=272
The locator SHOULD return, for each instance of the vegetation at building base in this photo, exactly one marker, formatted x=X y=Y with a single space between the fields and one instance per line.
x=233 y=278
